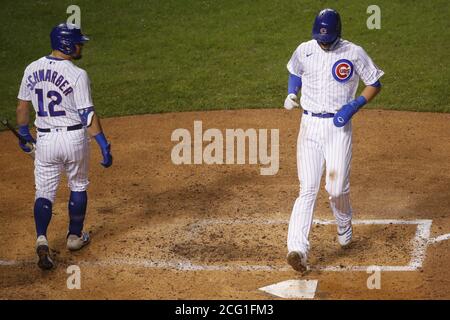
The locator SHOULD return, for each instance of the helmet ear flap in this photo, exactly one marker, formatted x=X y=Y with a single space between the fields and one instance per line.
x=67 y=47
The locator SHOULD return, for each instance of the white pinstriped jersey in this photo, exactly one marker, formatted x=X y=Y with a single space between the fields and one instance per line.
x=330 y=78
x=57 y=89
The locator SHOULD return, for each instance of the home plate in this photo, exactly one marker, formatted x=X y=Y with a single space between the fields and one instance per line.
x=292 y=289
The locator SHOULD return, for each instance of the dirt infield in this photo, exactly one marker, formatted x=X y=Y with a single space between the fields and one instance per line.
x=162 y=231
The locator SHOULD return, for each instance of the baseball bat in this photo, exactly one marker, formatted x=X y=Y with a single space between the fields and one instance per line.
x=21 y=139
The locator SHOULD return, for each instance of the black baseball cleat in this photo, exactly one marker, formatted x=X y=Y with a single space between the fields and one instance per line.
x=43 y=252
x=297 y=260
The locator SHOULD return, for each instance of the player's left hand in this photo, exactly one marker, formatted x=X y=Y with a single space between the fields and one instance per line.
x=343 y=116
x=107 y=157
x=27 y=142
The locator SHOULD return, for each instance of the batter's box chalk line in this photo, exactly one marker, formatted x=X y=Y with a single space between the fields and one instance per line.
x=420 y=242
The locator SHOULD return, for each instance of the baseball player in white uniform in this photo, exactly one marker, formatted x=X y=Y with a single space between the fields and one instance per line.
x=60 y=94
x=327 y=70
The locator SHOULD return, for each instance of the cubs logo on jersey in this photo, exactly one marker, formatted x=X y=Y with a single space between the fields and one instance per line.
x=342 y=70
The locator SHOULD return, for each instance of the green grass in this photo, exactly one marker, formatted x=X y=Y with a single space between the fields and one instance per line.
x=173 y=55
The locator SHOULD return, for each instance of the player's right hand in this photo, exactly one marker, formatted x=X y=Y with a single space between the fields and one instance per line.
x=27 y=142
x=107 y=157
x=291 y=102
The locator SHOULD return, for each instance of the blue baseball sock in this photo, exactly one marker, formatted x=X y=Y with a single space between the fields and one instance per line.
x=42 y=215
x=77 y=211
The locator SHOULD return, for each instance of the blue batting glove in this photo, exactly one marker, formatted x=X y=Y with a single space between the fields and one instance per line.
x=107 y=157
x=26 y=139
x=106 y=150
x=343 y=116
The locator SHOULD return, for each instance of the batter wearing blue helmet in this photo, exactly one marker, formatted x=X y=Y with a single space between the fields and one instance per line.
x=325 y=72
x=65 y=117
x=68 y=40
x=327 y=29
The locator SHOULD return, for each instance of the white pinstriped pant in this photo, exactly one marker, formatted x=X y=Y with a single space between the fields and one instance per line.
x=320 y=144
x=57 y=152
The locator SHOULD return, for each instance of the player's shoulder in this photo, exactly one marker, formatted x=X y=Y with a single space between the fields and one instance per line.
x=307 y=45
x=78 y=72
x=34 y=63
x=347 y=45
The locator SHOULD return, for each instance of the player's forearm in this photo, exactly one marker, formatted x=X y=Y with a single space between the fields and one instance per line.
x=96 y=131
x=370 y=92
x=348 y=110
x=294 y=84
x=22 y=113
x=96 y=127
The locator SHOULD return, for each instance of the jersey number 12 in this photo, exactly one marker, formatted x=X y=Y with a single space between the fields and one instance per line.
x=55 y=99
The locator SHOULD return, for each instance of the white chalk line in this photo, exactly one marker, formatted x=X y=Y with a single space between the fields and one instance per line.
x=189 y=266
x=316 y=221
x=440 y=238
x=10 y=263
x=419 y=243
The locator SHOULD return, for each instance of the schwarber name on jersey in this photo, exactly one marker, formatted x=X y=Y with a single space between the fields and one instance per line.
x=57 y=89
x=330 y=78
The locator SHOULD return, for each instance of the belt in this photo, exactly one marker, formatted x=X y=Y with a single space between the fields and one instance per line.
x=319 y=115
x=71 y=128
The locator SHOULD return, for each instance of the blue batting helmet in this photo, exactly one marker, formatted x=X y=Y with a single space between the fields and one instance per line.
x=327 y=26
x=65 y=36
